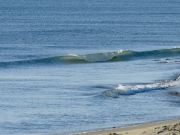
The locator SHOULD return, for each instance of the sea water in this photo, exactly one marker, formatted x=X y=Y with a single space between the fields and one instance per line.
x=69 y=66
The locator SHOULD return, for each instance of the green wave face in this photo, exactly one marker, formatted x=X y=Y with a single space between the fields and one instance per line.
x=121 y=56
x=100 y=57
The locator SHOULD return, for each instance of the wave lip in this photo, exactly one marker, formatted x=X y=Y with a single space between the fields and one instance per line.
x=134 y=89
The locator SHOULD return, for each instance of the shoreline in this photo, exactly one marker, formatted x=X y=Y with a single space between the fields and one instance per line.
x=166 y=127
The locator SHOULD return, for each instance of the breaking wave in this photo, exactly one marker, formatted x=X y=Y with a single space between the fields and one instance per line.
x=133 y=89
x=99 y=57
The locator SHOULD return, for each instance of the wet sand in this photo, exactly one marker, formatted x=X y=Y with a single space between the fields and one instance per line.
x=171 y=127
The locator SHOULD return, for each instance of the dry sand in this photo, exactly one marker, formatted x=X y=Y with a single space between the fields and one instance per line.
x=155 y=128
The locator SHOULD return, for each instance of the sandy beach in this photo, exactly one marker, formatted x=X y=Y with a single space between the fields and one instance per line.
x=170 y=127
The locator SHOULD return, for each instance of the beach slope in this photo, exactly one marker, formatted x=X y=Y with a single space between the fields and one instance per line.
x=155 y=128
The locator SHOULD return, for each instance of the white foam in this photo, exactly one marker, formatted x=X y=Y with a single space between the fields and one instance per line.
x=169 y=61
x=71 y=54
x=133 y=89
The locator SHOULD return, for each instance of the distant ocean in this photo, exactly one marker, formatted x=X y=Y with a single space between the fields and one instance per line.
x=69 y=66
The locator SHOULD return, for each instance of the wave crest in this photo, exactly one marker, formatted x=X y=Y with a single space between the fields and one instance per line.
x=133 y=89
x=99 y=57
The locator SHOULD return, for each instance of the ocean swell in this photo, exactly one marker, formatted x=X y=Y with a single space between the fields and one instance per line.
x=134 y=89
x=99 y=57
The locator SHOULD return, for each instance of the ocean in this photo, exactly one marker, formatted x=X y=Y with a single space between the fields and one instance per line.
x=70 y=66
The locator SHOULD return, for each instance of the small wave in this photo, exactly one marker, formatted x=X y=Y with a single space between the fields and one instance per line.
x=133 y=89
x=99 y=57
x=67 y=59
x=168 y=60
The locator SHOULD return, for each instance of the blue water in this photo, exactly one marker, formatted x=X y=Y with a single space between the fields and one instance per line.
x=69 y=66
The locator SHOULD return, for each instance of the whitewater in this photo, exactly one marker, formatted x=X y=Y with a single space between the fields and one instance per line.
x=133 y=89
